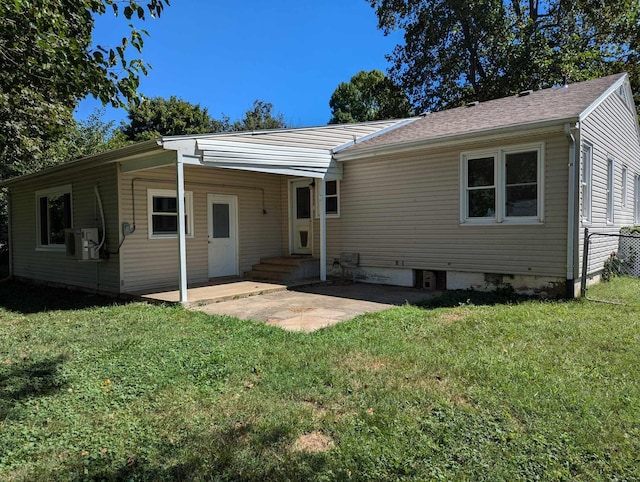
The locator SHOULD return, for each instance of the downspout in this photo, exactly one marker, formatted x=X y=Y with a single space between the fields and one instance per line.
x=574 y=162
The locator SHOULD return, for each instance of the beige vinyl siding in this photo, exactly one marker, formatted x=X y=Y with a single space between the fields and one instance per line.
x=404 y=211
x=153 y=263
x=612 y=130
x=55 y=266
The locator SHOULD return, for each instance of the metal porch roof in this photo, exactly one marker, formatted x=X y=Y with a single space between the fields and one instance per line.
x=299 y=152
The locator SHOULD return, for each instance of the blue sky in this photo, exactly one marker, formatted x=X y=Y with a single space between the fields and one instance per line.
x=225 y=55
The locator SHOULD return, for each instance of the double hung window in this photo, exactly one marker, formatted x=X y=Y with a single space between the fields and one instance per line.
x=610 y=190
x=54 y=215
x=331 y=199
x=502 y=186
x=163 y=213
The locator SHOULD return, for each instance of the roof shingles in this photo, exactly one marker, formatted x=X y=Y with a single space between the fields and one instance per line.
x=558 y=103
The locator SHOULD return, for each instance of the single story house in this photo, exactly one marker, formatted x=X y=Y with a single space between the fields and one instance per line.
x=479 y=196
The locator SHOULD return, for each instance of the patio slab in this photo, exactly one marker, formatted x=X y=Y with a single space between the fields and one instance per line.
x=216 y=292
x=310 y=308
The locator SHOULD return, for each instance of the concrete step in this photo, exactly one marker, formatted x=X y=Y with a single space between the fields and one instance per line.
x=276 y=268
x=285 y=269
x=289 y=260
x=269 y=275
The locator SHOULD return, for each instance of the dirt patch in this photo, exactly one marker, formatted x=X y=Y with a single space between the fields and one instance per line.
x=313 y=442
x=361 y=362
x=317 y=409
x=453 y=316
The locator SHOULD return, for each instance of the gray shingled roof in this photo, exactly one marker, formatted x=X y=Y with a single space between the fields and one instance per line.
x=547 y=105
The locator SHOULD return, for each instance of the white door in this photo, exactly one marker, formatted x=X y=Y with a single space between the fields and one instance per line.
x=223 y=235
x=300 y=224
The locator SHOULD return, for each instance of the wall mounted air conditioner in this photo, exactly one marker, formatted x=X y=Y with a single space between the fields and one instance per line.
x=82 y=243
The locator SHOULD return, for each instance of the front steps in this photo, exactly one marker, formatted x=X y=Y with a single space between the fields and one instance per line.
x=285 y=269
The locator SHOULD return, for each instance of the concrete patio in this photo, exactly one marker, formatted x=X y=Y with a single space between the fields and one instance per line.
x=303 y=306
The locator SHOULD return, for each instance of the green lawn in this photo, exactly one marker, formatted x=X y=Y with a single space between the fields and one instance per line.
x=527 y=390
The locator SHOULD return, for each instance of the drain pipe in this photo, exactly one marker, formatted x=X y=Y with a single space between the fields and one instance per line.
x=574 y=162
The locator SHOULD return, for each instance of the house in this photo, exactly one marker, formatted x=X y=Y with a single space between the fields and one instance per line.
x=480 y=196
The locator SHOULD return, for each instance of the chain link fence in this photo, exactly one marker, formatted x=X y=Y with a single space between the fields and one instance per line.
x=611 y=262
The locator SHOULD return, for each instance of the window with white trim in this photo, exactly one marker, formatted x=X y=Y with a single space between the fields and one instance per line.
x=163 y=213
x=636 y=200
x=625 y=187
x=331 y=199
x=586 y=181
x=502 y=186
x=54 y=214
x=610 y=190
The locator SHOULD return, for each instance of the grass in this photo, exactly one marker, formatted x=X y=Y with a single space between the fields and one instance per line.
x=455 y=390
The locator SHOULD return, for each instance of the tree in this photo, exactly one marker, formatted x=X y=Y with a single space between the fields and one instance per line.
x=368 y=96
x=47 y=64
x=260 y=117
x=86 y=138
x=157 y=117
x=464 y=50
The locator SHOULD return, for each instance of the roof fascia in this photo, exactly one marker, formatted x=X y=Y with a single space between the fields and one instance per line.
x=495 y=134
x=596 y=103
x=375 y=134
x=121 y=154
x=213 y=135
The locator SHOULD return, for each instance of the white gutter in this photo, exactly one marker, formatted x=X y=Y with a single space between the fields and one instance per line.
x=574 y=162
x=120 y=154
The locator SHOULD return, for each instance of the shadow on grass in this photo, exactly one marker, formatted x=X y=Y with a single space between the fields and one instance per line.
x=452 y=299
x=30 y=298
x=28 y=379
x=237 y=454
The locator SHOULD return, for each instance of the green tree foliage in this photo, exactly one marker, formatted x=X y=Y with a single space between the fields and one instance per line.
x=86 y=138
x=464 y=50
x=368 y=96
x=47 y=64
x=157 y=117
x=261 y=116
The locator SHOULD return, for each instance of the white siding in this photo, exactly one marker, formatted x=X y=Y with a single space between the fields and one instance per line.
x=611 y=129
x=404 y=212
x=56 y=266
x=150 y=264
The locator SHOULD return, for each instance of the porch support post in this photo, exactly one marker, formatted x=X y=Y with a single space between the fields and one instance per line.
x=323 y=230
x=182 y=243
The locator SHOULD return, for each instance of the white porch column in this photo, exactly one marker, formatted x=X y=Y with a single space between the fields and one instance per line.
x=323 y=230
x=182 y=243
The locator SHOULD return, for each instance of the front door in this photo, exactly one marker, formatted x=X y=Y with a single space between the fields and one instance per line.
x=301 y=217
x=223 y=235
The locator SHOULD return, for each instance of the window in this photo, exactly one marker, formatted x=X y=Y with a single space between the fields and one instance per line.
x=331 y=198
x=587 y=175
x=625 y=188
x=163 y=213
x=502 y=186
x=610 y=190
x=54 y=215
x=636 y=200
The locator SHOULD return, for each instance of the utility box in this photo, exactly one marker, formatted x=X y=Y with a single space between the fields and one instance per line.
x=82 y=243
